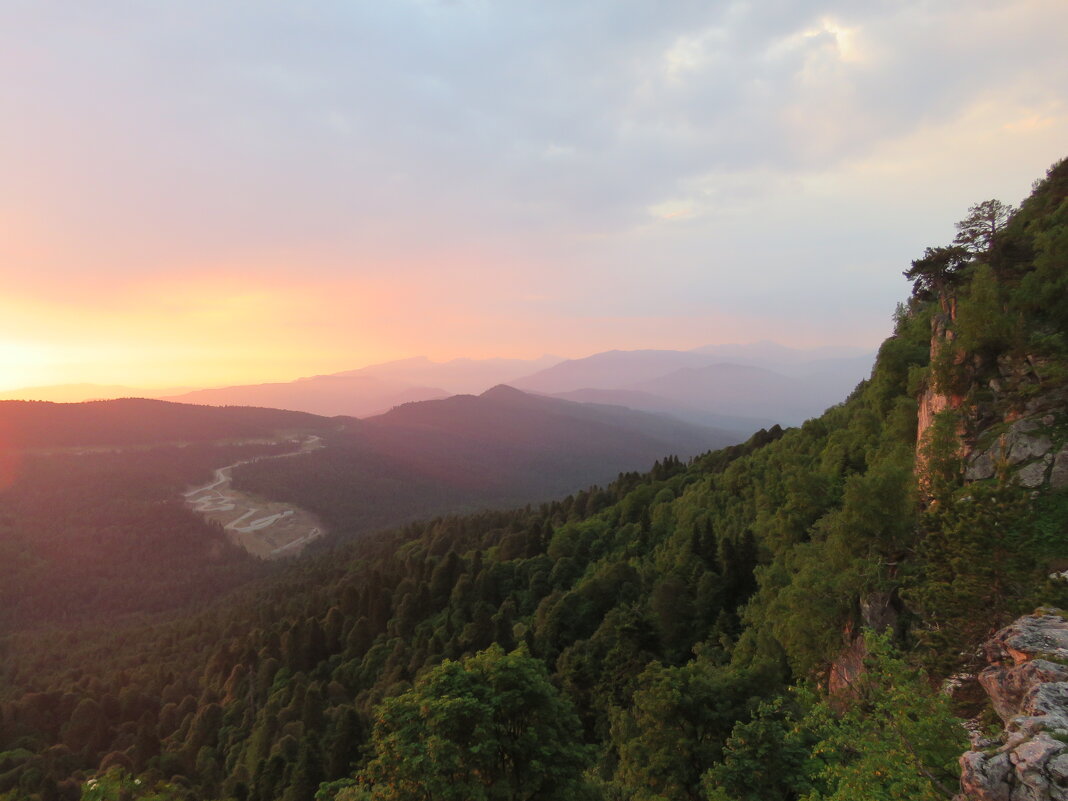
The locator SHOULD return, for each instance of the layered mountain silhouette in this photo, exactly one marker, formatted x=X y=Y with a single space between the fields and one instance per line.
x=458 y=376
x=761 y=383
x=374 y=389
x=740 y=388
x=327 y=395
x=76 y=393
x=495 y=449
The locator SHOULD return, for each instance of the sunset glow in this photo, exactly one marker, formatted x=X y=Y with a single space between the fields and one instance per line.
x=198 y=209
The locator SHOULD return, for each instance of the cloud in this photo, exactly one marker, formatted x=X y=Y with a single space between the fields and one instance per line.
x=628 y=158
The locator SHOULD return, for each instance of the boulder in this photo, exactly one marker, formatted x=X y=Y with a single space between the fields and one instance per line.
x=1058 y=478
x=1028 y=686
x=1033 y=475
x=1008 y=687
x=1021 y=447
x=980 y=467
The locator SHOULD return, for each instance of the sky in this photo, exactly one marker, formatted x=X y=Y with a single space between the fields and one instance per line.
x=206 y=192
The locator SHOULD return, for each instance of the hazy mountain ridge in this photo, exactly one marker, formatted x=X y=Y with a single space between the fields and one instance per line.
x=658 y=404
x=822 y=374
x=329 y=396
x=468 y=451
x=461 y=376
x=775 y=383
x=140 y=421
x=79 y=393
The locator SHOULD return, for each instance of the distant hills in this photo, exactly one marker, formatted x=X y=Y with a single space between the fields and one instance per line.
x=498 y=448
x=374 y=389
x=327 y=395
x=735 y=387
x=458 y=376
x=421 y=458
x=76 y=393
x=138 y=422
x=760 y=383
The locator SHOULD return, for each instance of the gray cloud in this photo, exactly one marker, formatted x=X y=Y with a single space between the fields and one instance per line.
x=372 y=131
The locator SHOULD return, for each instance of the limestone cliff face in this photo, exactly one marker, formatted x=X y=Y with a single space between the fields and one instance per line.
x=878 y=611
x=1027 y=682
x=1009 y=420
x=932 y=399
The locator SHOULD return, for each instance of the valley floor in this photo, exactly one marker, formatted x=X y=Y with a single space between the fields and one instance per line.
x=267 y=529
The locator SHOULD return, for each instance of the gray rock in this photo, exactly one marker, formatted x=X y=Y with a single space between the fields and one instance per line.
x=1030 y=637
x=980 y=467
x=879 y=610
x=1033 y=475
x=1031 y=763
x=1058 y=769
x=1009 y=687
x=1031 y=693
x=986 y=776
x=1058 y=479
x=1025 y=426
x=1022 y=447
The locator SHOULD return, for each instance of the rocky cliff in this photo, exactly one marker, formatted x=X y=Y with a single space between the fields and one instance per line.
x=1029 y=440
x=1027 y=682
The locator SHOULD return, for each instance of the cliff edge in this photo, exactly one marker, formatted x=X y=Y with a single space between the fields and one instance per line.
x=1027 y=682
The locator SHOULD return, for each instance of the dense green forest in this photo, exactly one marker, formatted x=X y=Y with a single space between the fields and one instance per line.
x=85 y=537
x=769 y=621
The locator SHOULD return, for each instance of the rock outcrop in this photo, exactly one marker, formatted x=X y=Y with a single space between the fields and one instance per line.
x=878 y=611
x=1027 y=447
x=1027 y=682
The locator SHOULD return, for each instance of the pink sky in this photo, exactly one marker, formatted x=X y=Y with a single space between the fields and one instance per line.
x=201 y=194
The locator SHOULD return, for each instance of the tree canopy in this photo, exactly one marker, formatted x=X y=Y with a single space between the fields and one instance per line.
x=488 y=727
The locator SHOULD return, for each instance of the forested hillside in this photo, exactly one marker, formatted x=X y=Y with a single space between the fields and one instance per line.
x=139 y=422
x=770 y=621
x=499 y=449
x=85 y=538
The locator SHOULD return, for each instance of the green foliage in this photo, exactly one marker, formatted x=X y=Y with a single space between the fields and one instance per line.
x=976 y=554
x=896 y=737
x=978 y=232
x=490 y=726
x=676 y=725
x=940 y=456
x=118 y=785
x=767 y=758
x=983 y=325
x=937 y=271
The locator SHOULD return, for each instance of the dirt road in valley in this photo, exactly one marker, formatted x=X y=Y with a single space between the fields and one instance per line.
x=264 y=528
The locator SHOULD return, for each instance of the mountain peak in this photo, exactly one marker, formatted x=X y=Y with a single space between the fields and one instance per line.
x=503 y=392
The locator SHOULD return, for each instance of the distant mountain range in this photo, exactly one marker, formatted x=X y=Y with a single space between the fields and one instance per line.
x=739 y=388
x=466 y=452
x=375 y=389
x=499 y=448
x=458 y=376
x=327 y=395
x=77 y=393
x=762 y=383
